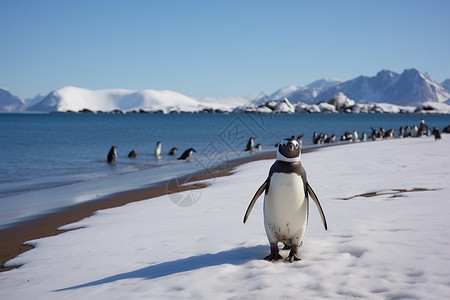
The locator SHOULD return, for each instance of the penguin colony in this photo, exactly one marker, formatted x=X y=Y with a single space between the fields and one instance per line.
x=417 y=130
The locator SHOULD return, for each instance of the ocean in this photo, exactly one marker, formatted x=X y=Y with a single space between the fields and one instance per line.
x=49 y=161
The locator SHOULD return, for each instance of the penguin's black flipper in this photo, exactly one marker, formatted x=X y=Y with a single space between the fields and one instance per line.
x=319 y=207
x=258 y=193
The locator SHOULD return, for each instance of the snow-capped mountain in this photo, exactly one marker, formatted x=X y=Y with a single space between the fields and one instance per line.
x=77 y=99
x=307 y=94
x=34 y=100
x=9 y=102
x=409 y=88
x=446 y=85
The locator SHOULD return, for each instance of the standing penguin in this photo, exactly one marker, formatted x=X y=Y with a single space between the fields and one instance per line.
x=187 y=154
x=436 y=133
x=112 y=155
x=158 y=149
x=250 y=143
x=355 y=136
x=286 y=206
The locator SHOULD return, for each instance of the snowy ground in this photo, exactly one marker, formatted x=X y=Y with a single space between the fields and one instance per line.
x=391 y=246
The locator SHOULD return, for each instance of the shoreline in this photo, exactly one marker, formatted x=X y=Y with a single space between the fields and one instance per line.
x=15 y=236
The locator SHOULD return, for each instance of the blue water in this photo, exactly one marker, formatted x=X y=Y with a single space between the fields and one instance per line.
x=42 y=152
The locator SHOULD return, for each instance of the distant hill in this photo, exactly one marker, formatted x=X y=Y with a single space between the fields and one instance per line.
x=9 y=102
x=76 y=99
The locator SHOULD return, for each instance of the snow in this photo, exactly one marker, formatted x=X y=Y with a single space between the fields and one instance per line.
x=391 y=246
x=77 y=99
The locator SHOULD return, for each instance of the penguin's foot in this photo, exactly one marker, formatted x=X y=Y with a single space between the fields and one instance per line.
x=286 y=247
x=274 y=254
x=293 y=256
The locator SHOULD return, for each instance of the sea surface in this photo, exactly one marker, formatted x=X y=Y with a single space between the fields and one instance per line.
x=49 y=161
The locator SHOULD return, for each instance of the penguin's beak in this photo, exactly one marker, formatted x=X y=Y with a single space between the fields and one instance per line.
x=291 y=147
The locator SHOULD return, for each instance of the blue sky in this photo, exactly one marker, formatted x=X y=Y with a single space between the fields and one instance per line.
x=215 y=48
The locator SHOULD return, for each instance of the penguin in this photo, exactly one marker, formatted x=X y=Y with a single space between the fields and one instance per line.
x=315 y=137
x=158 y=149
x=132 y=154
x=414 y=131
x=331 y=139
x=258 y=147
x=286 y=205
x=364 y=136
x=389 y=134
x=436 y=133
x=374 y=134
x=112 y=155
x=401 y=132
x=187 y=154
x=250 y=143
x=355 y=136
x=173 y=151
x=382 y=132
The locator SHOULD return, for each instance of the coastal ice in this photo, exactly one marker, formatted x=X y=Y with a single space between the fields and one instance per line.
x=388 y=240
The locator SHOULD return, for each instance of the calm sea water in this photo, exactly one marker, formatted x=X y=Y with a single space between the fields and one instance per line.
x=39 y=152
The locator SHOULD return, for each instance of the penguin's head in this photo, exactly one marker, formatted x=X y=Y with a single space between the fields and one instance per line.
x=289 y=150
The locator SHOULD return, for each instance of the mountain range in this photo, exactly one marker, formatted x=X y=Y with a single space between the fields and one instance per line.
x=410 y=88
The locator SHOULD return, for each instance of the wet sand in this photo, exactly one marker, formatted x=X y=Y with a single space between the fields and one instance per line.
x=13 y=238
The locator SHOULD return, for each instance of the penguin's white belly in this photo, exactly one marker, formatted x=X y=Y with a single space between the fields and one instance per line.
x=285 y=209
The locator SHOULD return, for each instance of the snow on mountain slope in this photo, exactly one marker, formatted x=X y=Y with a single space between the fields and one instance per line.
x=77 y=99
x=323 y=84
x=409 y=88
x=446 y=85
x=306 y=94
x=9 y=102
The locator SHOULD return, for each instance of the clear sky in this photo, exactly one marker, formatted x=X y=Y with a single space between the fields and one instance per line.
x=215 y=48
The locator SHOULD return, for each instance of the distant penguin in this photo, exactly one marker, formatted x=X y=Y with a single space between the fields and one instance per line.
x=331 y=139
x=112 y=155
x=315 y=137
x=258 y=147
x=374 y=134
x=355 y=136
x=382 y=132
x=414 y=131
x=187 y=154
x=401 y=132
x=250 y=144
x=422 y=124
x=286 y=206
x=173 y=151
x=389 y=134
x=158 y=149
x=364 y=136
x=132 y=154
x=436 y=133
